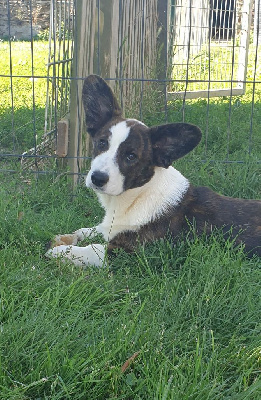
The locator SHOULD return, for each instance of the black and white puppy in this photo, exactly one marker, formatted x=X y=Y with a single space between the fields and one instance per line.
x=144 y=197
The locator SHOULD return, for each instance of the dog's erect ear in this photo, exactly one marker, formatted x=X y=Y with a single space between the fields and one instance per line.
x=173 y=141
x=99 y=102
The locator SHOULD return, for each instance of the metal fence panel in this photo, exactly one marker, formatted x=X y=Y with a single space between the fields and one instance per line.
x=193 y=49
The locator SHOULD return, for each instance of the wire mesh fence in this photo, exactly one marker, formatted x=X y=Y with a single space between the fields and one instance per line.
x=171 y=60
x=36 y=52
x=213 y=39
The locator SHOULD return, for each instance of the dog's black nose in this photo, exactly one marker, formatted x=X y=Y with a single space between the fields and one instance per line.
x=99 y=178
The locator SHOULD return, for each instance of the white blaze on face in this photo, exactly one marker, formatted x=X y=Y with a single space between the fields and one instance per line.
x=106 y=162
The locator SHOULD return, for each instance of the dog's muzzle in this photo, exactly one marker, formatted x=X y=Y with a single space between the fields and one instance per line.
x=99 y=178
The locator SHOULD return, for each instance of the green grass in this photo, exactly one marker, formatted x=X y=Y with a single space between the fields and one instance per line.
x=19 y=124
x=192 y=311
x=219 y=64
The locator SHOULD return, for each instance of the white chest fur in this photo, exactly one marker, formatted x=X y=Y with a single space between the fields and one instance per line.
x=136 y=207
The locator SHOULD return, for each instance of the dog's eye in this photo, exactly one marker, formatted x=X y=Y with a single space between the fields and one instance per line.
x=102 y=144
x=131 y=157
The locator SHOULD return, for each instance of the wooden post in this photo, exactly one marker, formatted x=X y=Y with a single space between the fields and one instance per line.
x=162 y=68
x=257 y=23
x=75 y=124
x=62 y=138
x=84 y=54
x=105 y=33
x=244 y=43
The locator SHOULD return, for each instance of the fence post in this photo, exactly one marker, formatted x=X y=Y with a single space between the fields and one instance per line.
x=162 y=64
x=244 y=43
x=257 y=23
x=107 y=22
x=83 y=61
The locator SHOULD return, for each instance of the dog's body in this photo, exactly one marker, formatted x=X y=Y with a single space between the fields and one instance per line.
x=144 y=197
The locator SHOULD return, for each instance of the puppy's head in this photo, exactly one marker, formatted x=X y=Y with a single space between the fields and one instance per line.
x=125 y=151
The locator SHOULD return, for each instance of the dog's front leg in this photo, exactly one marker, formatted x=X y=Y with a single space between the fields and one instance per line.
x=93 y=254
x=75 y=237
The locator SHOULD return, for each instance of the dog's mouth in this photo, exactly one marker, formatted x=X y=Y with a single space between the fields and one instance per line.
x=99 y=189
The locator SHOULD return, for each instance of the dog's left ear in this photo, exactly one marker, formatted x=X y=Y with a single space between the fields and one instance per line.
x=173 y=141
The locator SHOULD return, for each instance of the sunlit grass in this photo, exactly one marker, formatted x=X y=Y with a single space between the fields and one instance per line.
x=213 y=68
x=22 y=98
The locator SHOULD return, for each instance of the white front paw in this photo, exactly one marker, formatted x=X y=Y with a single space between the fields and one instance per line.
x=58 y=251
x=93 y=254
